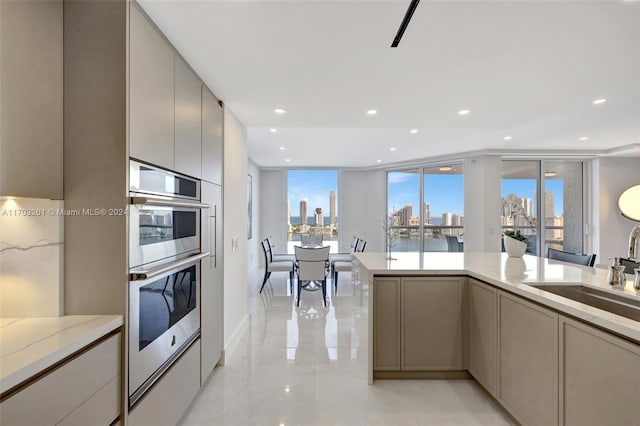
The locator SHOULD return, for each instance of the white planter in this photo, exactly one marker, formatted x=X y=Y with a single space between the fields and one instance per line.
x=514 y=247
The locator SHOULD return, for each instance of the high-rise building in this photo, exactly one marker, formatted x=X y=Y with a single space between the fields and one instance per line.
x=404 y=215
x=456 y=219
x=319 y=217
x=332 y=208
x=446 y=219
x=548 y=204
x=303 y=211
x=427 y=214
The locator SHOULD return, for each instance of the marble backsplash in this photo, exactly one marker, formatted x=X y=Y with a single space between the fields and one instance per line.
x=31 y=257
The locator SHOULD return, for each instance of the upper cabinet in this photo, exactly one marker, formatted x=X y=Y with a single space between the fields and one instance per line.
x=151 y=126
x=188 y=119
x=31 y=98
x=212 y=119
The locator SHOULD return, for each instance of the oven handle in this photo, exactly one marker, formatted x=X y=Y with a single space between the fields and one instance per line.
x=145 y=275
x=164 y=202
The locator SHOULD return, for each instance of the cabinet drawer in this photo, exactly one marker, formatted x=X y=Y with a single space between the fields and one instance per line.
x=56 y=395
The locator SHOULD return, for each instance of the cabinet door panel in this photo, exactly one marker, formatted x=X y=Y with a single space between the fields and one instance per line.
x=151 y=100
x=31 y=116
x=211 y=294
x=600 y=377
x=483 y=334
x=528 y=358
x=188 y=118
x=212 y=122
x=431 y=324
x=386 y=324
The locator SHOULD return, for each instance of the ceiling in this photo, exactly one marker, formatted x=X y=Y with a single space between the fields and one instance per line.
x=525 y=69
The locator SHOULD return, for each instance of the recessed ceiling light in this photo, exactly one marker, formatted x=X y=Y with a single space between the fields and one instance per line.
x=273 y=130
x=279 y=111
x=287 y=389
x=507 y=138
x=282 y=148
x=599 y=101
x=445 y=168
x=549 y=174
x=372 y=112
x=288 y=160
x=583 y=138
x=392 y=149
x=378 y=161
x=413 y=131
x=463 y=112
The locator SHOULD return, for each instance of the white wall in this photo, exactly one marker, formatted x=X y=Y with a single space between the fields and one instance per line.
x=482 y=203
x=254 y=249
x=361 y=206
x=610 y=231
x=273 y=205
x=235 y=227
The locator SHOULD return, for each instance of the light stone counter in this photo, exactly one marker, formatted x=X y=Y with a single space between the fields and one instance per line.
x=509 y=274
x=29 y=346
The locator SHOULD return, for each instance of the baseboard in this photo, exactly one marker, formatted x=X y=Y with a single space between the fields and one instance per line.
x=433 y=375
x=233 y=342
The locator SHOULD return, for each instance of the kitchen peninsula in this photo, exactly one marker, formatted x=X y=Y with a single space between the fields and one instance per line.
x=545 y=358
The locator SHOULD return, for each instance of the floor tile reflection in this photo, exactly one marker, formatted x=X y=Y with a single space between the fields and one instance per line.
x=308 y=366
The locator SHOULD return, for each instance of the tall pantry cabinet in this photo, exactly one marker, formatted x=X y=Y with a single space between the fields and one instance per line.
x=129 y=94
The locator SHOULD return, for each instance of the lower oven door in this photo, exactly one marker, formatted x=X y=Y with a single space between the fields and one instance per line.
x=164 y=319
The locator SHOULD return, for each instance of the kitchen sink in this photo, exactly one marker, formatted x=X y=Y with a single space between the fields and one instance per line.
x=616 y=304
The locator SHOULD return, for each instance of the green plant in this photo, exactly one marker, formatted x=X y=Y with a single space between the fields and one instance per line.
x=515 y=235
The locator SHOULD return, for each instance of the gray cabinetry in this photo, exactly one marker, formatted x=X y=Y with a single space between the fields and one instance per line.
x=31 y=101
x=188 y=119
x=386 y=324
x=528 y=359
x=483 y=330
x=431 y=323
x=212 y=119
x=599 y=377
x=151 y=130
x=211 y=292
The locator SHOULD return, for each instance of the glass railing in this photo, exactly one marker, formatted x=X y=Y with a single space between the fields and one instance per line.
x=408 y=237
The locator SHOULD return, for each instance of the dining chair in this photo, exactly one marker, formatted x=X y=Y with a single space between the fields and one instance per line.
x=312 y=264
x=275 y=266
x=453 y=245
x=345 y=266
x=565 y=256
x=277 y=257
x=344 y=257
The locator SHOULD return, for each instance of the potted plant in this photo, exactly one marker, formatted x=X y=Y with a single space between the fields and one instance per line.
x=515 y=243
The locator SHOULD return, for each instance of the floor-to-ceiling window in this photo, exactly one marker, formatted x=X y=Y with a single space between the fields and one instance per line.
x=312 y=205
x=550 y=194
x=425 y=206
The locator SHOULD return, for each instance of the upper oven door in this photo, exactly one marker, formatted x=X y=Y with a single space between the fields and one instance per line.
x=160 y=228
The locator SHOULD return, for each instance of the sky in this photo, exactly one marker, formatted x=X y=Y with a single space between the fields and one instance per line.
x=314 y=185
x=443 y=192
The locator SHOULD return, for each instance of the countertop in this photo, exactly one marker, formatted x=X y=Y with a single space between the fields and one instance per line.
x=29 y=346
x=513 y=275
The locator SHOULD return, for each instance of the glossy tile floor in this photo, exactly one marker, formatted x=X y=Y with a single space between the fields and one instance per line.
x=307 y=366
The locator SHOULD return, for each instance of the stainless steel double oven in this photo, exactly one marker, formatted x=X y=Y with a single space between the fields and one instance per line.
x=164 y=276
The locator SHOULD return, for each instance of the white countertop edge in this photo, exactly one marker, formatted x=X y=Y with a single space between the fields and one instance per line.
x=10 y=379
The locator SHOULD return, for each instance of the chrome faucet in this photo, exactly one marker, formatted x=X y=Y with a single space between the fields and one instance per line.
x=634 y=243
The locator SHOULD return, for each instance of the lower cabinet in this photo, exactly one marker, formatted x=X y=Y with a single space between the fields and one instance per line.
x=599 y=377
x=483 y=334
x=386 y=324
x=168 y=399
x=84 y=391
x=528 y=360
x=431 y=328
x=417 y=324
